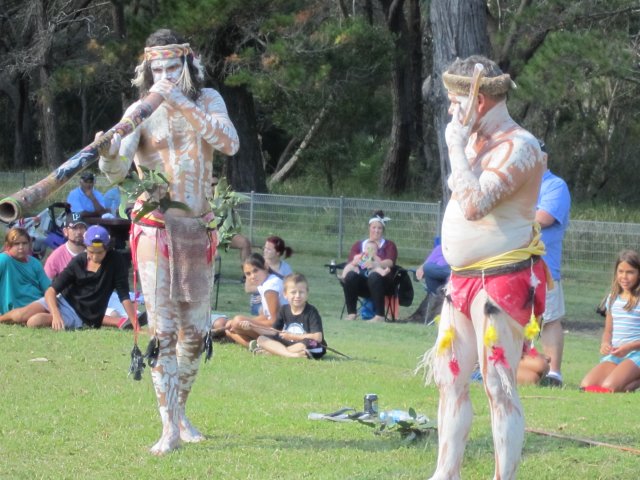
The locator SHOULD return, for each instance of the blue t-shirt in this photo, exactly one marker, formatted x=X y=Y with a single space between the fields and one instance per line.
x=20 y=282
x=554 y=199
x=80 y=202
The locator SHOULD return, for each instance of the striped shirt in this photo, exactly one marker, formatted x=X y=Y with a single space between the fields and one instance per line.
x=626 y=324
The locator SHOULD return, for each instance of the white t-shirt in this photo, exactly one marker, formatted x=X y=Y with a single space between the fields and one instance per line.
x=272 y=283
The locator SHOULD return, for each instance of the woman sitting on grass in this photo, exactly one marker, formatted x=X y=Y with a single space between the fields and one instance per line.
x=299 y=326
x=22 y=277
x=243 y=329
x=619 y=368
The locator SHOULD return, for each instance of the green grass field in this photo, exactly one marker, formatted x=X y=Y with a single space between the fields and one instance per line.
x=76 y=415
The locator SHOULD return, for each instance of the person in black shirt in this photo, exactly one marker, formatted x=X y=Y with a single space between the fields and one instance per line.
x=79 y=295
x=299 y=323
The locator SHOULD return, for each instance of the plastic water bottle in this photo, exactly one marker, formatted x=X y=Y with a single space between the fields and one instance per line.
x=391 y=417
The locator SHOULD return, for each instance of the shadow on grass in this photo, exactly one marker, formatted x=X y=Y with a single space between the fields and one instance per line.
x=267 y=442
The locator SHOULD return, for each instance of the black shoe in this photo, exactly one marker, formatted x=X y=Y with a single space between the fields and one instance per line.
x=552 y=382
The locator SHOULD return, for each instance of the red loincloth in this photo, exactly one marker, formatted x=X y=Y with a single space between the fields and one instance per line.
x=510 y=291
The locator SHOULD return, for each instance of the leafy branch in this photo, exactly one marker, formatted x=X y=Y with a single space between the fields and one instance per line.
x=413 y=428
x=226 y=220
x=155 y=184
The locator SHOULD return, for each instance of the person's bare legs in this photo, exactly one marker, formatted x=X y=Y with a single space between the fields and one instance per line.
x=40 y=320
x=237 y=334
x=532 y=369
x=23 y=314
x=193 y=319
x=297 y=350
x=552 y=338
x=241 y=243
x=622 y=376
x=507 y=417
x=455 y=412
x=162 y=315
x=597 y=374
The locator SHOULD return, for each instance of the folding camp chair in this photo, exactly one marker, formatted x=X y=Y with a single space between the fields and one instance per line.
x=45 y=228
x=402 y=291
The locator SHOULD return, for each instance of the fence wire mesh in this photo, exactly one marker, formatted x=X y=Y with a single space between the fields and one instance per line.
x=328 y=226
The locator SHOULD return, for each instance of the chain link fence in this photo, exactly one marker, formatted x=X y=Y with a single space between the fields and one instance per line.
x=329 y=226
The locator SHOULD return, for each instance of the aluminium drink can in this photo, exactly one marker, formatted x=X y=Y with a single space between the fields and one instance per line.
x=371 y=403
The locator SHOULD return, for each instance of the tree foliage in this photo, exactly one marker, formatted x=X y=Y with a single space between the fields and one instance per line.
x=326 y=94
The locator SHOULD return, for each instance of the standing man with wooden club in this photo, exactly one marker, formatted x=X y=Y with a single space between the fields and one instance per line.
x=497 y=284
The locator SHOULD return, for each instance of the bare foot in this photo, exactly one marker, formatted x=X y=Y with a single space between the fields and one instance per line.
x=166 y=444
x=189 y=433
x=351 y=316
x=377 y=319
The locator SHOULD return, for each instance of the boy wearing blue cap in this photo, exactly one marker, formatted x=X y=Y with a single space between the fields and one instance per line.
x=79 y=295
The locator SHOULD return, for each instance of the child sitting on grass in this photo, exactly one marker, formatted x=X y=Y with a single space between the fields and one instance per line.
x=619 y=367
x=367 y=261
x=299 y=325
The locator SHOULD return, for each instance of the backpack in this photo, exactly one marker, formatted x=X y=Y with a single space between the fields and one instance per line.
x=405 y=286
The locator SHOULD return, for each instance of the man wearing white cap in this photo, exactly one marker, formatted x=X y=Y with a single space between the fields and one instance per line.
x=74 y=230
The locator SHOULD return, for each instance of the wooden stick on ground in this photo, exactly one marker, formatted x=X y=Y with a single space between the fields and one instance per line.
x=587 y=441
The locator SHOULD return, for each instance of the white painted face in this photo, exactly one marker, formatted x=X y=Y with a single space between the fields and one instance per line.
x=460 y=101
x=170 y=68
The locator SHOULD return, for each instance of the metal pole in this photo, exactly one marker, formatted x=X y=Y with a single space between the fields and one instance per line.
x=251 y=217
x=340 y=226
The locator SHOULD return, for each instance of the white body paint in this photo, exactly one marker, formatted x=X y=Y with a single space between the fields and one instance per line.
x=495 y=182
x=178 y=139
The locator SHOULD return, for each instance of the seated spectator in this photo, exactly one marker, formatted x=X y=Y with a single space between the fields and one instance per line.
x=364 y=262
x=219 y=328
x=435 y=271
x=22 y=278
x=299 y=323
x=532 y=368
x=74 y=229
x=274 y=251
x=375 y=286
x=269 y=285
x=619 y=367
x=79 y=295
x=85 y=199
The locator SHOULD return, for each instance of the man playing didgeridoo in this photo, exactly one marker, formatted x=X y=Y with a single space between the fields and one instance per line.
x=173 y=249
x=497 y=284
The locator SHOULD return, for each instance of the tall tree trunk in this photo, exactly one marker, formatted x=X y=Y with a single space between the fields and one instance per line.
x=459 y=29
x=16 y=88
x=244 y=171
x=394 y=173
x=84 y=116
x=118 y=19
x=23 y=148
x=51 y=155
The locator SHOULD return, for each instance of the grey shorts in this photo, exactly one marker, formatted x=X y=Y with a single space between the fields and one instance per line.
x=70 y=318
x=554 y=309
